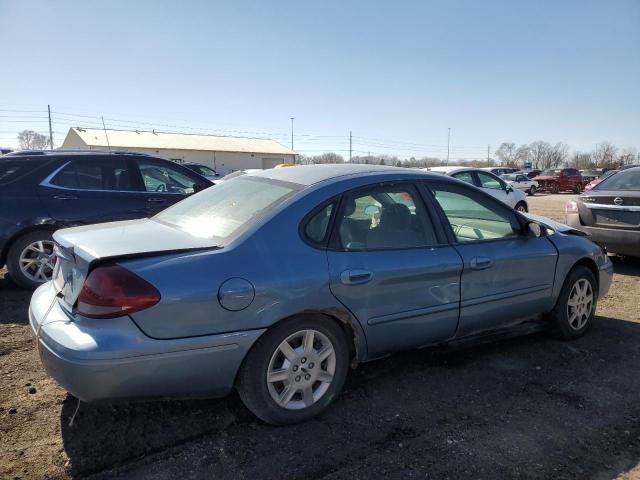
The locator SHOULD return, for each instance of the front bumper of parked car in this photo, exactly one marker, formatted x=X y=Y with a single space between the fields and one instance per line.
x=615 y=240
x=111 y=359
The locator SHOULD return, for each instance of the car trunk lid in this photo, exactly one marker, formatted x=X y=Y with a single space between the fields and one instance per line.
x=610 y=209
x=78 y=249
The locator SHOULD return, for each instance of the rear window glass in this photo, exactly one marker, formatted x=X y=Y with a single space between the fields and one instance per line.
x=225 y=210
x=16 y=168
x=626 y=180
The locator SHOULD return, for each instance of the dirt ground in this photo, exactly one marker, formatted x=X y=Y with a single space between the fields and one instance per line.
x=528 y=407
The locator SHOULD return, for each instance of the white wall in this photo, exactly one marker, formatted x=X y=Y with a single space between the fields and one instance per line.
x=222 y=162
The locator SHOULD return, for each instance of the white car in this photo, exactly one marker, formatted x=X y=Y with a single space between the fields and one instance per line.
x=488 y=182
x=520 y=181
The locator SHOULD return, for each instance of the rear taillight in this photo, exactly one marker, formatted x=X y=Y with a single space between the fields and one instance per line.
x=571 y=207
x=112 y=291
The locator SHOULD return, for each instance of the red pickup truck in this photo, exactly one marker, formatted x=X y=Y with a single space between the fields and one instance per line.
x=556 y=180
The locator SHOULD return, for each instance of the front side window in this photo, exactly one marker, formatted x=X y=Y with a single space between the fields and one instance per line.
x=107 y=174
x=224 y=211
x=489 y=181
x=160 y=178
x=381 y=218
x=473 y=218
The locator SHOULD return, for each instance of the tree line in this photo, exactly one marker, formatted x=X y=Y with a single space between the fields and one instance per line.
x=540 y=154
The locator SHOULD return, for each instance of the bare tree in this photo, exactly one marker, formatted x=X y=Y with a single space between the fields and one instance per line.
x=507 y=153
x=556 y=155
x=30 y=140
x=538 y=152
x=581 y=160
x=522 y=153
x=628 y=156
x=605 y=155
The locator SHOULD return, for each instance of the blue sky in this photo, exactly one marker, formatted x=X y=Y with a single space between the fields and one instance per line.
x=397 y=74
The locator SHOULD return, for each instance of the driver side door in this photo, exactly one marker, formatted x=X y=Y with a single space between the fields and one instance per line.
x=164 y=183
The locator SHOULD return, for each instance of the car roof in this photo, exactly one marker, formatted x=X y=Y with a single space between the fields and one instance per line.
x=61 y=152
x=311 y=174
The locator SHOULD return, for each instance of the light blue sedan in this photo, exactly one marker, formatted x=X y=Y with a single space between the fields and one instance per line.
x=277 y=282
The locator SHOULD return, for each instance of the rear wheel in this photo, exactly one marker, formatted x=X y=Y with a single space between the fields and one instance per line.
x=574 y=312
x=30 y=259
x=532 y=190
x=295 y=370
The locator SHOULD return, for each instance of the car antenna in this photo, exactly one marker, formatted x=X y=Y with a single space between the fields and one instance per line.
x=105 y=133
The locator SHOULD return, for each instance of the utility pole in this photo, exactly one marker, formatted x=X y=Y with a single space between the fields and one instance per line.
x=488 y=154
x=292 y=119
x=448 y=143
x=350 y=145
x=50 y=129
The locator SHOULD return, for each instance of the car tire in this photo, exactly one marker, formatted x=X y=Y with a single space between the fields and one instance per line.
x=532 y=190
x=578 y=189
x=521 y=207
x=567 y=321
x=19 y=252
x=555 y=187
x=266 y=360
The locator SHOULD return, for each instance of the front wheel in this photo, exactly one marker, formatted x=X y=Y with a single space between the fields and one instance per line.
x=575 y=309
x=532 y=190
x=295 y=370
x=578 y=189
x=522 y=207
x=555 y=187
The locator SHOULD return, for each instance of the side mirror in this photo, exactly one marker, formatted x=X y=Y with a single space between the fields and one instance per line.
x=372 y=211
x=509 y=189
x=535 y=229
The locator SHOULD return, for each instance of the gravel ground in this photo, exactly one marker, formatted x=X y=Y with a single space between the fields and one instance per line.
x=528 y=407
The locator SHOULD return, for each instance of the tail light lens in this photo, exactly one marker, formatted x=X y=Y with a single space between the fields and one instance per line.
x=112 y=291
x=571 y=207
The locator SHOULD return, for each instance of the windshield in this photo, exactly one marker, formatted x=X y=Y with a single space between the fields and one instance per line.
x=553 y=172
x=626 y=180
x=202 y=170
x=509 y=177
x=225 y=210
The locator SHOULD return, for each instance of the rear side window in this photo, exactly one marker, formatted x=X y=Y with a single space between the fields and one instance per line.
x=12 y=169
x=107 y=174
x=489 y=181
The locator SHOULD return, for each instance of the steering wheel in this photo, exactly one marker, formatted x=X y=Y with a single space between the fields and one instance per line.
x=161 y=188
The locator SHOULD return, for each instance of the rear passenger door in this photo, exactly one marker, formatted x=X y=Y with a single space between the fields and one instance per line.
x=393 y=269
x=93 y=189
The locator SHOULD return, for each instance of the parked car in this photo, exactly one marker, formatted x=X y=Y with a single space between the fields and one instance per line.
x=4 y=151
x=530 y=173
x=556 y=180
x=610 y=212
x=596 y=181
x=207 y=172
x=276 y=282
x=489 y=182
x=499 y=170
x=238 y=173
x=521 y=182
x=590 y=175
x=43 y=191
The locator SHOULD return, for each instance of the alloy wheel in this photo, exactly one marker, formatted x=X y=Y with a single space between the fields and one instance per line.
x=301 y=369
x=37 y=261
x=579 y=304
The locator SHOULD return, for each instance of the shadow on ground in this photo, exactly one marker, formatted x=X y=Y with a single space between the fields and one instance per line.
x=529 y=407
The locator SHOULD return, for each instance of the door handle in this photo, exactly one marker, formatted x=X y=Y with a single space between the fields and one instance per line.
x=155 y=200
x=356 y=277
x=480 y=263
x=65 y=197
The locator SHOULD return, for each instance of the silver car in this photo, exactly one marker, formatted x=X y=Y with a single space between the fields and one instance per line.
x=277 y=282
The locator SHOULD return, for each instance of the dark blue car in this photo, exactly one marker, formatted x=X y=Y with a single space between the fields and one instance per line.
x=43 y=191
